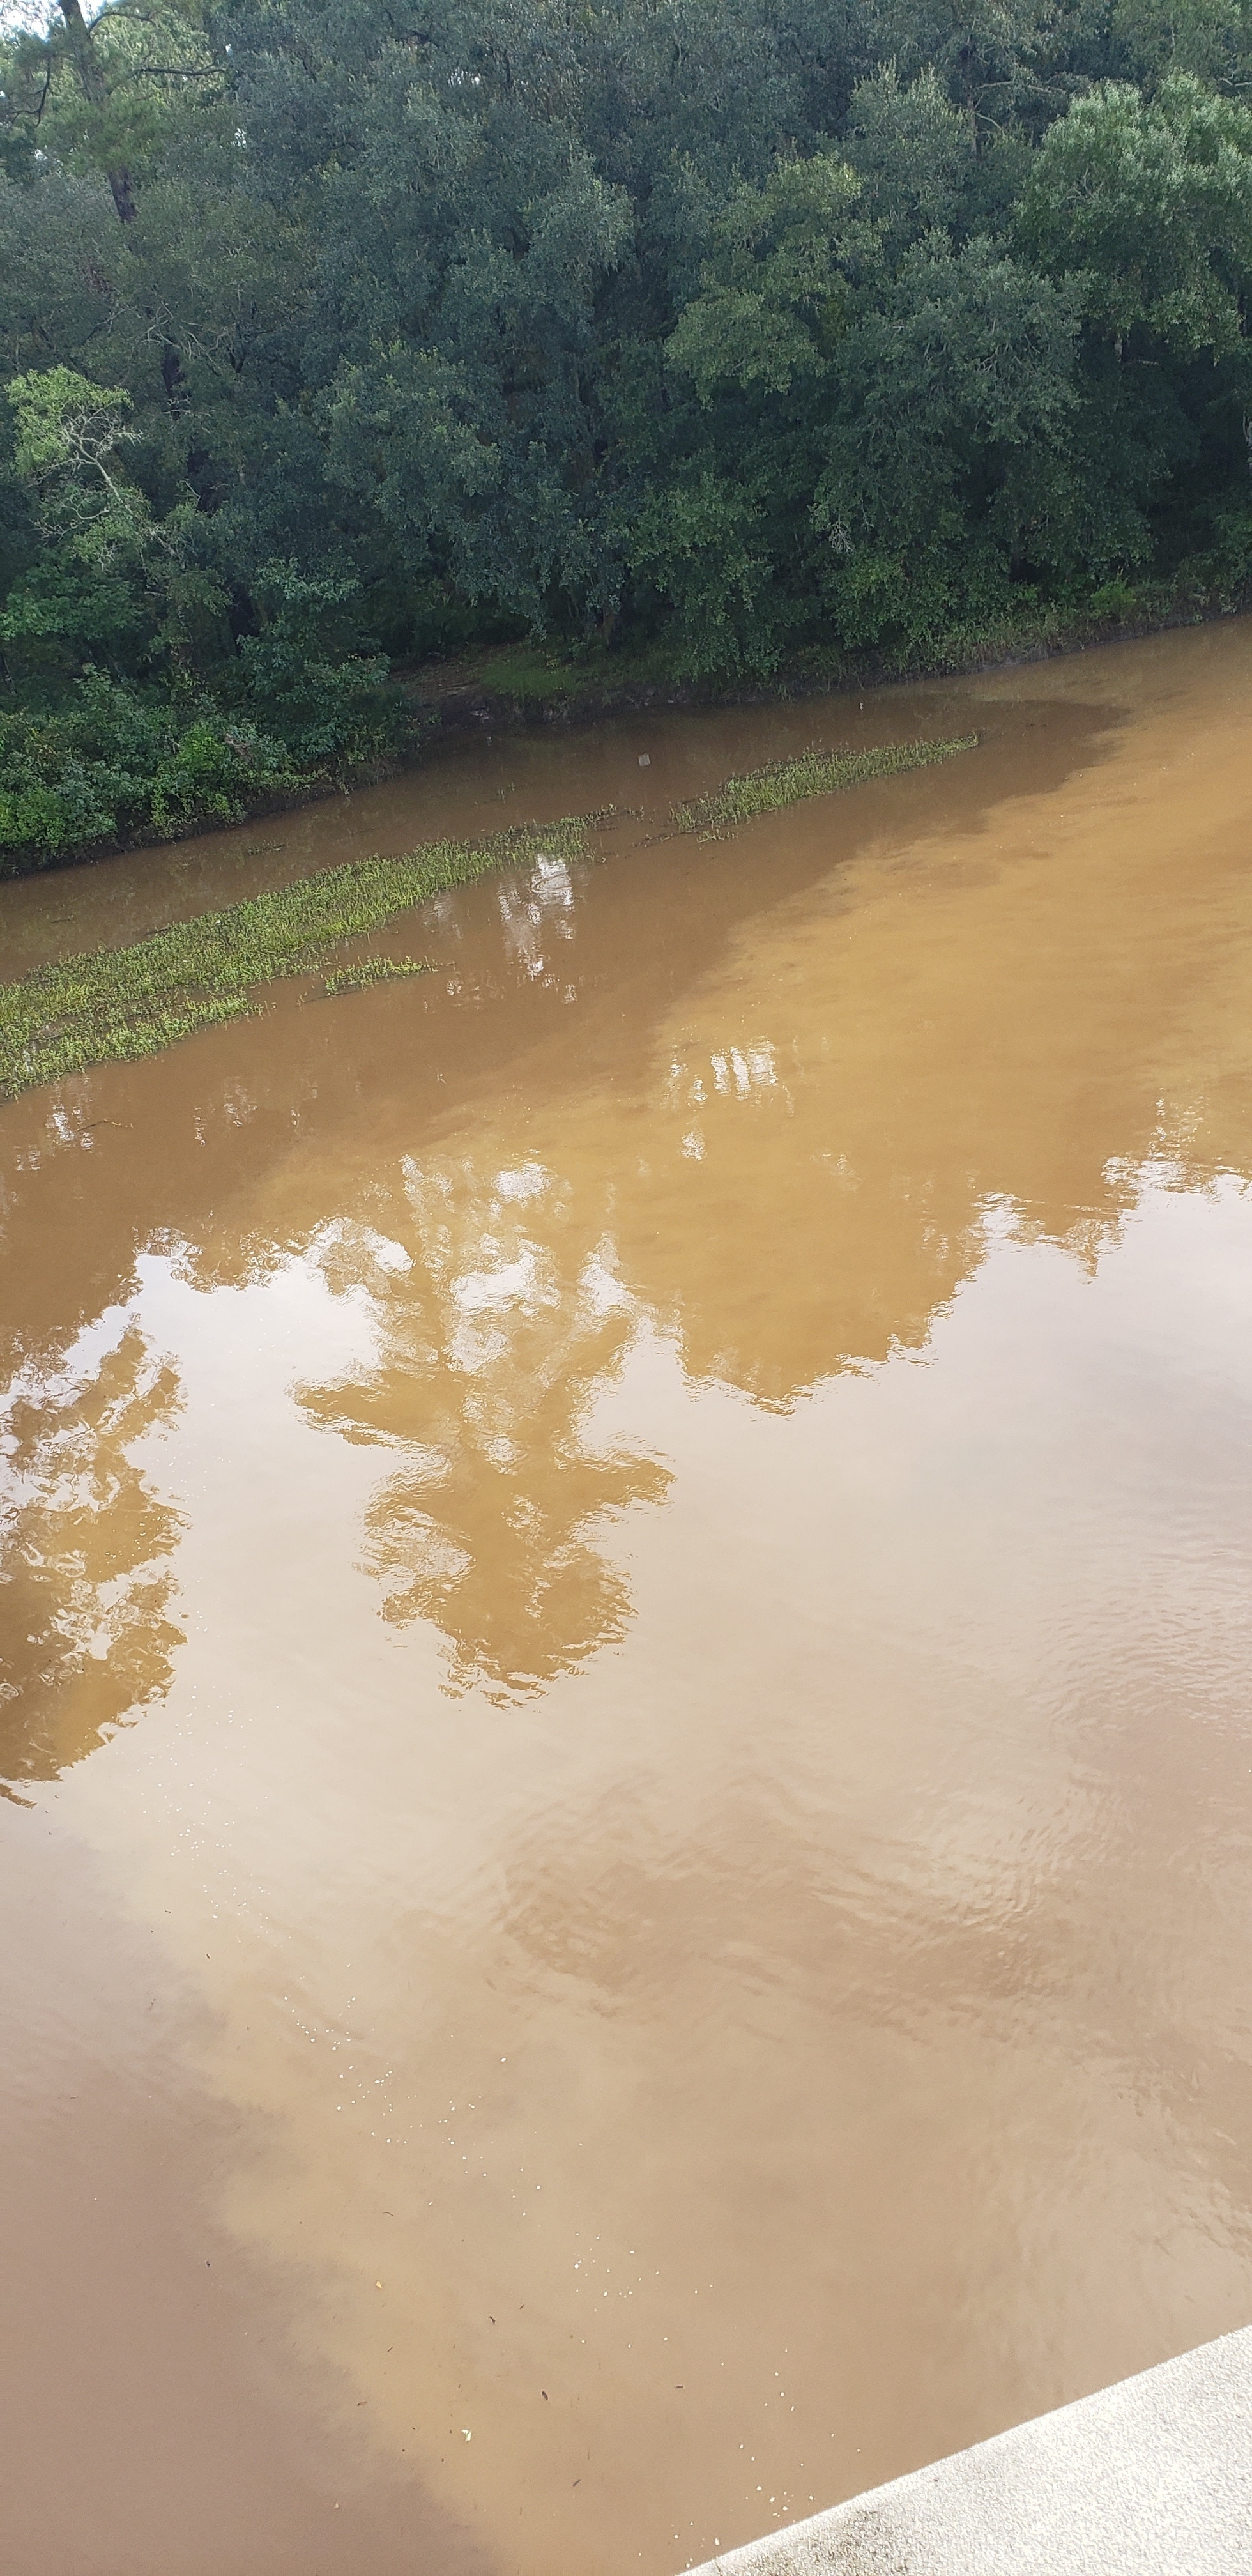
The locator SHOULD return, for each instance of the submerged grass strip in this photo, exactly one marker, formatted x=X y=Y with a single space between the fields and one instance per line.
x=789 y=782
x=128 y=1002
x=377 y=970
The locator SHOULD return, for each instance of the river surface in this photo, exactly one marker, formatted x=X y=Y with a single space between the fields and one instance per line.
x=626 y=1890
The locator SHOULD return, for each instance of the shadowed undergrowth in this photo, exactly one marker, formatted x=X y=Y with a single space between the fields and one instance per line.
x=122 y=1003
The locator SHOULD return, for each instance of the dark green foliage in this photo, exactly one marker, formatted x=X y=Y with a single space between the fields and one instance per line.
x=722 y=333
x=111 y=765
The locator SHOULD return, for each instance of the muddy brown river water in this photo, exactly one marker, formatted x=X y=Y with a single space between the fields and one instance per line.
x=626 y=1890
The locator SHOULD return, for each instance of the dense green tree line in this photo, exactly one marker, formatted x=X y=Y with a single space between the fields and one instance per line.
x=342 y=332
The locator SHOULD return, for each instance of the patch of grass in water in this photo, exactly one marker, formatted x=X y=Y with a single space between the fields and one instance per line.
x=377 y=970
x=128 y=1002
x=790 y=782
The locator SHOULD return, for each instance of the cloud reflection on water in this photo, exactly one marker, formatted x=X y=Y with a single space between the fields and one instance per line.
x=86 y=1549
x=493 y=1346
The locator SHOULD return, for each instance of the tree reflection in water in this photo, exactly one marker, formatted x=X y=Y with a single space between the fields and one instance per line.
x=499 y=1328
x=85 y=1543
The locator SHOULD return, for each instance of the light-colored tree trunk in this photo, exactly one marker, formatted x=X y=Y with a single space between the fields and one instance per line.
x=95 y=90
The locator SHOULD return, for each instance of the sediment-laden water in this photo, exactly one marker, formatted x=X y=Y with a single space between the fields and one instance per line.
x=625 y=1889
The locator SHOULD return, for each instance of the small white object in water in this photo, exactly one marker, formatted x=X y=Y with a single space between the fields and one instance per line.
x=645 y=760
x=466 y=2430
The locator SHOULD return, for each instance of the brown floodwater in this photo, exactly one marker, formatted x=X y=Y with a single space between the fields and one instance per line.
x=626 y=1883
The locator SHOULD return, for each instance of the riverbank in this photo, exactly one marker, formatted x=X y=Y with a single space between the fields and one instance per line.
x=530 y=683
x=518 y=686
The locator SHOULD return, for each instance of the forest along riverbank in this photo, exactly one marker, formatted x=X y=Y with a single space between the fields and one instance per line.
x=626 y=1631
x=765 y=348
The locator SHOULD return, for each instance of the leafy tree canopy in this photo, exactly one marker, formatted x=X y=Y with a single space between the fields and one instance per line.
x=338 y=333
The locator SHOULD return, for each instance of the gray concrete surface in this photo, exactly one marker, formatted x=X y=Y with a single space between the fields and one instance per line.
x=1152 y=2477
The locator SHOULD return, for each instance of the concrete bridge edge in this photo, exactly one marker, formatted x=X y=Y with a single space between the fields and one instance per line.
x=1151 y=2477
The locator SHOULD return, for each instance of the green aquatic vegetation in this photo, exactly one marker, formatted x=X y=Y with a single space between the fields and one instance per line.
x=127 y=1002
x=790 y=782
x=377 y=970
